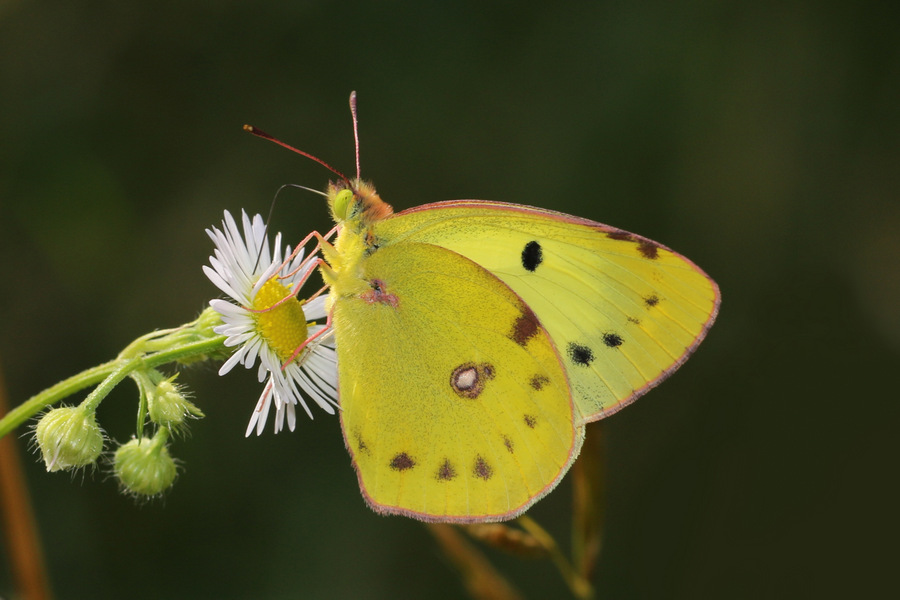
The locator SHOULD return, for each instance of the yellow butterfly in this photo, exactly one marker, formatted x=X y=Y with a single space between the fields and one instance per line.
x=476 y=339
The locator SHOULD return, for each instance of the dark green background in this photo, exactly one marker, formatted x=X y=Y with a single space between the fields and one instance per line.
x=760 y=140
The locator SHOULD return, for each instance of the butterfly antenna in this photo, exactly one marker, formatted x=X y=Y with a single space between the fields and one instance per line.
x=355 y=130
x=262 y=134
x=302 y=187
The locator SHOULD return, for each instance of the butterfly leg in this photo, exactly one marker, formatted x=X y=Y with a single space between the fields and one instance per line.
x=320 y=239
x=322 y=332
x=293 y=295
x=304 y=265
x=331 y=255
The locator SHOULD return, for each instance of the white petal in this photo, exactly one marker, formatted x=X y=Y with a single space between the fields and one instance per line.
x=229 y=364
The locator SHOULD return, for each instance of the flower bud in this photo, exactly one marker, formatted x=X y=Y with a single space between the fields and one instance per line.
x=68 y=437
x=144 y=466
x=208 y=320
x=202 y=329
x=168 y=407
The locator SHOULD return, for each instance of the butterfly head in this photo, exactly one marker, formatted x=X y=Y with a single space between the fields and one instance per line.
x=356 y=201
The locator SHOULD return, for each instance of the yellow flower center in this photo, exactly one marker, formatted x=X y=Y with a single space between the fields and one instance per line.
x=283 y=327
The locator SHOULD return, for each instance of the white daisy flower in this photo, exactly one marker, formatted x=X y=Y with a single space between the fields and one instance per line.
x=243 y=268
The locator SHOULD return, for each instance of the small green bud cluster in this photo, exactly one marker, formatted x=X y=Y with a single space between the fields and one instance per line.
x=69 y=437
x=143 y=465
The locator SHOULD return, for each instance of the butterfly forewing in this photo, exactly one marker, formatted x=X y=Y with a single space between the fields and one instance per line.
x=622 y=311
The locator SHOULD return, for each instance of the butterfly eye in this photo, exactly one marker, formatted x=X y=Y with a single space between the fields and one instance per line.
x=341 y=205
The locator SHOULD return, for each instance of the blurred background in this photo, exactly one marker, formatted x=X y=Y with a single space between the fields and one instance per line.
x=761 y=140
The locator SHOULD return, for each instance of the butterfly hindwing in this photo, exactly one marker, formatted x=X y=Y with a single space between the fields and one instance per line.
x=622 y=311
x=455 y=402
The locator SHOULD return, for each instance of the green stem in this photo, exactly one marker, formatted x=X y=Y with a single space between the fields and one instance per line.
x=204 y=346
x=138 y=346
x=54 y=394
x=112 y=372
x=580 y=587
x=144 y=391
x=159 y=440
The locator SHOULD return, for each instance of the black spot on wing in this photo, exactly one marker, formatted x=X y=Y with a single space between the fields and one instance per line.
x=525 y=327
x=580 y=354
x=402 y=462
x=530 y=421
x=622 y=236
x=648 y=250
x=482 y=469
x=361 y=445
x=651 y=300
x=508 y=443
x=532 y=256
x=446 y=471
x=612 y=340
x=538 y=382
